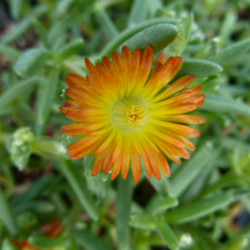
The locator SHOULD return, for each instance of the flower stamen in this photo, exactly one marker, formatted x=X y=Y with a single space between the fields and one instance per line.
x=135 y=114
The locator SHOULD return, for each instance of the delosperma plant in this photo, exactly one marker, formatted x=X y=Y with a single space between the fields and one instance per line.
x=124 y=124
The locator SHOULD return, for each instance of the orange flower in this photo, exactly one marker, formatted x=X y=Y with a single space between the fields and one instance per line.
x=25 y=245
x=127 y=116
x=51 y=230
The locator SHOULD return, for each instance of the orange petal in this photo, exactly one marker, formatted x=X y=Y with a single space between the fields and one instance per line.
x=146 y=64
x=163 y=75
x=106 y=144
x=76 y=129
x=160 y=132
x=136 y=166
x=189 y=119
x=107 y=163
x=94 y=127
x=84 y=114
x=168 y=150
x=163 y=162
x=84 y=98
x=75 y=114
x=83 y=147
x=91 y=68
x=97 y=165
x=175 y=87
x=125 y=163
x=188 y=144
x=146 y=164
x=178 y=109
x=153 y=164
x=182 y=129
x=116 y=169
x=70 y=103
x=77 y=81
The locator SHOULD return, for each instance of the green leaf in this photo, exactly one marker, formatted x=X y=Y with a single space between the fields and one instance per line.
x=9 y=245
x=33 y=191
x=14 y=92
x=142 y=221
x=201 y=208
x=167 y=234
x=180 y=43
x=198 y=184
x=78 y=183
x=17 y=32
x=218 y=103
x=228 y=26
x=89 y=241
x=105 y=22
x=41 y=30
x=46 y=242
x=125 y=35
x=200 y=68
x=47 y=98
x=60 y=27
x=26 y=219
x=15 y=7
x=123 y=203
x=159 y=36
x=232 y=52
x=138 y=12
x=23 y=26
x=63 y=6
x=20 y=147
x=38 y=206
x=187 y=173
x=154 y=7
x=162 y=186
x=9 y=51
x=31 y=61
x=6 y=215
x=70 y=49
x=158 y=204
x=230 y=142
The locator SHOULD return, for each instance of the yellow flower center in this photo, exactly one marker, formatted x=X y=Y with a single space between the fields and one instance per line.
x=135 y=114
x=129 y=113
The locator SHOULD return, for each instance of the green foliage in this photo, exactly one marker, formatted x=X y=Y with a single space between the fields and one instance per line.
x=46 y=242
x=199 y=205
x=31 y=61
x=158 y=35
x=200 y=68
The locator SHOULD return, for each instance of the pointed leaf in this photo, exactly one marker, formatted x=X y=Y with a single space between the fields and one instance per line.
x=200 y=68
x=31 y=61
x=159 y=36
x=232 y=52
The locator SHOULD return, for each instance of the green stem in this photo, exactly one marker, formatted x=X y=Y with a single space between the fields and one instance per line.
x=123 y=204
x=6 y=215
x=74 y=215
x=79 y=186
x=47 y=147
x=167 y=234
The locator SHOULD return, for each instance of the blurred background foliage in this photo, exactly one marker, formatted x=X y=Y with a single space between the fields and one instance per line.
x=51 y=202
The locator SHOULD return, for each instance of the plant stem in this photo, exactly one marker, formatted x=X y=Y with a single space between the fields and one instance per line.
x=123 y=204
x=79 y=186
